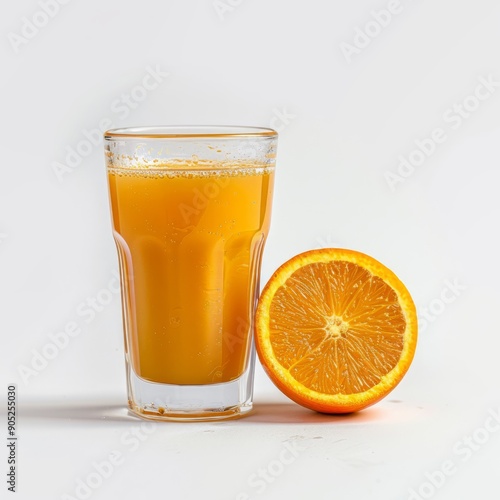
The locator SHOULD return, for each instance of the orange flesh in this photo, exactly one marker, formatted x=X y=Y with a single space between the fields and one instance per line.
x=336 y=328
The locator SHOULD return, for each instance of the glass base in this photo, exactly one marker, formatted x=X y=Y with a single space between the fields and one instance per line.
x=161 y=414
x=154 y=401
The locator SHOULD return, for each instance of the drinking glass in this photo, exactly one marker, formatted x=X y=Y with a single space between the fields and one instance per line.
x=191 y=209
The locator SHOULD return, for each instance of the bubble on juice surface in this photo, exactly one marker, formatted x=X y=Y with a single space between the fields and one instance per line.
x=184 y=168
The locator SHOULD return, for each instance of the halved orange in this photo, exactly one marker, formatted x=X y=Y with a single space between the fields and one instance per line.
x=336 y=330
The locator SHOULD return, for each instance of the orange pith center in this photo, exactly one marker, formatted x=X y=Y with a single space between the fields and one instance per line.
x=336 y=328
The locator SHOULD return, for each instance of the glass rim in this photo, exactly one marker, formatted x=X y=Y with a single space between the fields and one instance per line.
x=190 y=131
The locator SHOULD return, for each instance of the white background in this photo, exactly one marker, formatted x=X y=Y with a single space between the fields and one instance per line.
x=345 y=116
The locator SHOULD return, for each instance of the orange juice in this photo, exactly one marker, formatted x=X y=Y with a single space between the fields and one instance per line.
x=190 y=243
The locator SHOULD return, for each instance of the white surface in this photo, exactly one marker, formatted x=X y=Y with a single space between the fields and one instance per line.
x=350 y=123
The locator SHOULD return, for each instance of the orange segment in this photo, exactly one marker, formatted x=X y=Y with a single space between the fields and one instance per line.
x=335 y=330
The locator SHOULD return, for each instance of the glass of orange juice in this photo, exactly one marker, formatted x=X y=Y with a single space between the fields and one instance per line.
x=191 y=210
